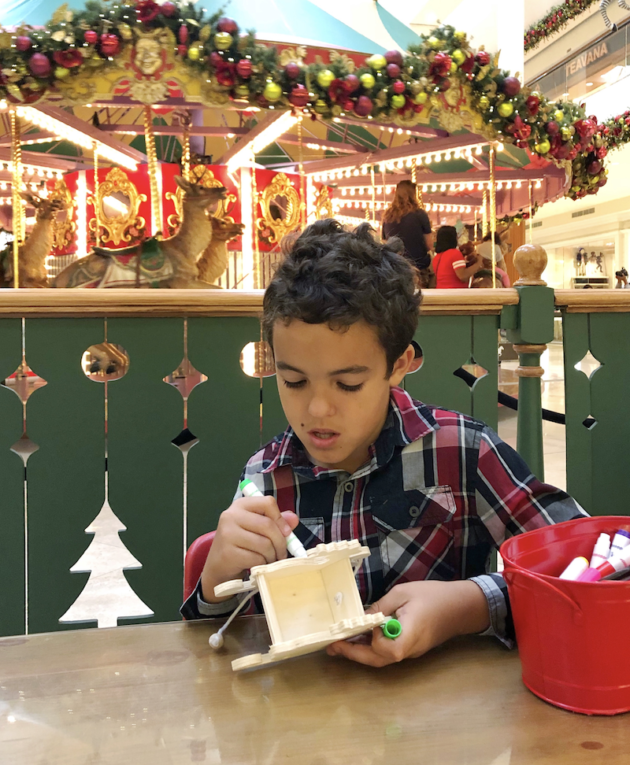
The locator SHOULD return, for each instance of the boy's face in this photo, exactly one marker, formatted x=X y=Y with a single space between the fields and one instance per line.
x=334 y=388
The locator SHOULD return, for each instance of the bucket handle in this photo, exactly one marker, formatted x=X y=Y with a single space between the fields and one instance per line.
x=528 y=574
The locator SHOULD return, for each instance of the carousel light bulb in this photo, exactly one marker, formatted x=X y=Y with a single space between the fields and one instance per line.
x=438 y=157
x=425 y=188
x=434 y=188
x=355 y=173
x=479 y=150
x=344 y=192
x=443 y=187
x=399 y=131
x=538 y=184
x=364 y=170
x=427 y=159
x=500 y=147
x=499 y=186
x=391 y=129
x=409 y=162
x=468 y=209
x=448 y=208
x=471 y=187
x=447 y=156
x=518 y=184
x=458 y=154
x=509 y=184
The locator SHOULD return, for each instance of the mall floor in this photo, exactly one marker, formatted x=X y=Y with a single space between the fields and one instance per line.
x=552 y=398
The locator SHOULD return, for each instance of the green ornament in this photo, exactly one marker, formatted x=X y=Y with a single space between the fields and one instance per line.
x=454 y=67
x=367 y=80
x=459 y=37
x=377 y=62
x=558 y=115
x=61 y=72
x=542 y=147
x=458 y=56
x=321 y=107
x=242 y=91
x=194 y=53
x=420 y=98
x=484 y=103
x=566 y=134
x=272 y=92
x=223 y=40
x=325 y=78
x=506 y=109
x=434 y=42
x=415 y=87
x=398 y=101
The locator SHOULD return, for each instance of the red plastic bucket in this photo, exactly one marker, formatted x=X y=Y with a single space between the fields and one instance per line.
x=573 y=637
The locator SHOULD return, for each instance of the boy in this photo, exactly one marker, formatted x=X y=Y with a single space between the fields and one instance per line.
x=429 y=491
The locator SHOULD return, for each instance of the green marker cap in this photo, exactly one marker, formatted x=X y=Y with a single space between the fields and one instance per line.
x=392 y=629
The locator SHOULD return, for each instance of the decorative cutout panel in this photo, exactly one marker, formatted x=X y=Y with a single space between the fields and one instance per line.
x=105 y=362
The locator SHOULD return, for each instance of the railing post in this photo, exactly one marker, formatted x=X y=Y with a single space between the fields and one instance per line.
x=534 y=330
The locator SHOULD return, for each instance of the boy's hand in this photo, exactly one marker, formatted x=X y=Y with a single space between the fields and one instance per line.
x=251 y=532
x=430 y=612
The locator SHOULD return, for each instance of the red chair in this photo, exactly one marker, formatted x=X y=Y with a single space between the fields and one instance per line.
x=195 y=561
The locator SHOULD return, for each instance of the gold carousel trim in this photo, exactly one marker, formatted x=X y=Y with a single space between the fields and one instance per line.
x=323 y=204
x=200 y=175
x=280 y=186
x=63 y=230
x=116 y=226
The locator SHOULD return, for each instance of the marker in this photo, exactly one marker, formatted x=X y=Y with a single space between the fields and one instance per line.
x=577 y=567
x=619 y=543
x=392 y=629
x=600 y=551
x=607 y=568
x=294 y=546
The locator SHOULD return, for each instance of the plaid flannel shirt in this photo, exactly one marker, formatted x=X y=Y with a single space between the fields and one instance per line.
x=439 y=493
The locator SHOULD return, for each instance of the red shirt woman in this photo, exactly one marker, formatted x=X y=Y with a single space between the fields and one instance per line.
x=449 y=265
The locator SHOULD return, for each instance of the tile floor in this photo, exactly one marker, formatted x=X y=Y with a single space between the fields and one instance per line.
x=554 y=440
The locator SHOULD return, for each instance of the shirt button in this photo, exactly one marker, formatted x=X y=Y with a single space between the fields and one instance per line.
x=349 y=487
x=414 y=511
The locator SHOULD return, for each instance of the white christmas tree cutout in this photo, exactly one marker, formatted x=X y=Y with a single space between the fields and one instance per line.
x=107 y=596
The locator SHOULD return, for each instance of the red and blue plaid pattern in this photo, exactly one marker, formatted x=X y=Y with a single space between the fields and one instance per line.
x=440 y=492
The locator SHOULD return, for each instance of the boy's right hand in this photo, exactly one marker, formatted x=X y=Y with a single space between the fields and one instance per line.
x=251 y=532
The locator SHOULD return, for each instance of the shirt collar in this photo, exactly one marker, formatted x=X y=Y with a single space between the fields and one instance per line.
x=407 y=421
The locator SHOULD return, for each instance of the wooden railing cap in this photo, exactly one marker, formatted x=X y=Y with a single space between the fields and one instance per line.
x=530 y=260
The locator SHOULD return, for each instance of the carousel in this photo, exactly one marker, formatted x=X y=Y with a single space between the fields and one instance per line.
x=155 y=145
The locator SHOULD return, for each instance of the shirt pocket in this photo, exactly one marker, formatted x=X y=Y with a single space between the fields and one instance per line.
x=311 y=532
x=415 y=535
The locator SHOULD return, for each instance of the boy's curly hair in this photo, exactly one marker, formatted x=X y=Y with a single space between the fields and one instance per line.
x=337 y=277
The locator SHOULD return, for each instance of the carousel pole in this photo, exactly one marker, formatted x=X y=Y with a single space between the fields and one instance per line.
x=301 y=170
x=16 y=184
x=484 y=213
x=152 y=164
x=493 y=214
x=530 y=222
x=373 y=194
x=185 y=120
x=97 y=207
x=414 y=180
x=257 y=275
x=476 y=228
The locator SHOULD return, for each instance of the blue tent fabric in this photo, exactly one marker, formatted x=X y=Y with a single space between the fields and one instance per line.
x=403 y=35
x=296 y=20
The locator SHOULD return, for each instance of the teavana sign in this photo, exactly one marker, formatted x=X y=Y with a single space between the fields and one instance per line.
x=604 y=55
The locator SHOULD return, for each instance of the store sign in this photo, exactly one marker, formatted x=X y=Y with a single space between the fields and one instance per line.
x=586 y=58
x=596 y=59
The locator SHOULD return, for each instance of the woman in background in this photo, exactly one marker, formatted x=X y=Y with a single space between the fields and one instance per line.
x=485 y=250
x=405 y=219
x=449 y=264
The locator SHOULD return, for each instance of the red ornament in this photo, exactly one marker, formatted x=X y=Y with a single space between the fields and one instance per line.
x=398 y=87
x=182 y=34
x=292 y=70
x=225 y=78
x=511 y=87
x=347 y=104
x=363 y=106
x=533 y=105
x=602 y=182
x=602 y=152
x=217 y=60
x=586 y=128
x=39 y=64
x=299 y=96
x=552 y=128
x=483 y=58
x=168 y=9
x=244 y=68
x=594 y=167
x=90 y=37
x=351 y=83
x=441 y=65
x=68 y=58
x=227 y=25
x=394 y=57
x=109 y=44
x=468 y=65
x=393 y=71
x=23 y=43
x=147 y=11
x=182 y=50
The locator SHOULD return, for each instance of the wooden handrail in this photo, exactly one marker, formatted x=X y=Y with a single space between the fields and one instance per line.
x=593 y=301
x=159 y=303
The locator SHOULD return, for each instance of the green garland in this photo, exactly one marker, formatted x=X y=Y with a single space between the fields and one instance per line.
x=395 y=87
x=557 y=18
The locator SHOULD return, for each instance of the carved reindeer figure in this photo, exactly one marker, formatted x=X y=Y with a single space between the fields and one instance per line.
x=33 y=253
x=168 y=263
x=213 y=262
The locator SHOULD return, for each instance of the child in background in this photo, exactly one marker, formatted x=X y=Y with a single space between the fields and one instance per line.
x=431 y=492
x=449 y=265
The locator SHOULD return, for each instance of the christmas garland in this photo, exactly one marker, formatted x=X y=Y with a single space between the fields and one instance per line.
x=557 y=18
x=442 y=76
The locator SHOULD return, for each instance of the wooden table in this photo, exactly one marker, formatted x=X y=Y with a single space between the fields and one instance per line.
x=157 y=694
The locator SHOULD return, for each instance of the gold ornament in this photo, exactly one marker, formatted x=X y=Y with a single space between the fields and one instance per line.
x=484 y=103
x=116 y=226
x=125 y=31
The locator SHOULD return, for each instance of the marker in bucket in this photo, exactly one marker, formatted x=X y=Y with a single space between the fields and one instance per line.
x=608 y=567
x=619 y=543
x=294 y=546
x=575 y=569
x=600 y=551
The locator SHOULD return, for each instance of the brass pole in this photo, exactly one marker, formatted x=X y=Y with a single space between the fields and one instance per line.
x=185 y=119
x=301 y=170
x=257 y=275
x=493 y=214
x=16 y=187
x=97 y=206
x=152 y=164
x=530 y=222
x=373 y=194
x=484 y=213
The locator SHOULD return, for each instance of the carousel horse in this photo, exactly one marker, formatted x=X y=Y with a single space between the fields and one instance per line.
x=604 y=5
x=165 y=263
x=33 y=253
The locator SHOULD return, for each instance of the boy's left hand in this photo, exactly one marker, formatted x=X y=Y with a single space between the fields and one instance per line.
x=430 y=612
